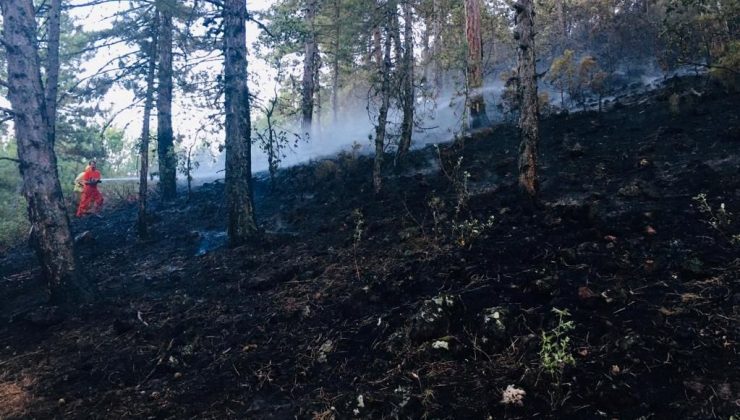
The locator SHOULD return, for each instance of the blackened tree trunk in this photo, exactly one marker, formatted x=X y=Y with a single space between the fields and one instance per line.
x=385 y=98
x=165 y=137
x=52 y=65
x=528 y=117
x=438 y=46
x=477 y=105
x=563 y=24
x=408 y=94
x=317 y=91
x=141 y=224
x=377 y=52
x=51 y=235
x=310 y=60
x=335 y=60
x=394 y=28
x=242 y=225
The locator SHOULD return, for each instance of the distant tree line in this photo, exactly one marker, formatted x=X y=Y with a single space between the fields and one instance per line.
x=326 y=53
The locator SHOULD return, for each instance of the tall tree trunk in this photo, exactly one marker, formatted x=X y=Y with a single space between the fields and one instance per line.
x=528 y=117
x=377 y=47
x=335 y=61
x=165 y=137
x=563 y=23
x=53 y=22
x=426 y=50
x=407 y=125
x=477 y=105
x=437 y=47
x=51 y=235
x=385 y=98
x=317 y=90
x=242 y=225
x=395 y=28
x=309 y=66
x=141 y=224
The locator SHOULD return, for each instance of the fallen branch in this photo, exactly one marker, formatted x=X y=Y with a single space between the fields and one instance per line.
x=138 y=315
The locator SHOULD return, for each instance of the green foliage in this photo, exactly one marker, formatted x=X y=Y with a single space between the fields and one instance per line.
x=720 y=218
x=699 y=31
x=562 y=74
x=13 y=223
x=467 y=231
x=555 y=350
x=727 y=69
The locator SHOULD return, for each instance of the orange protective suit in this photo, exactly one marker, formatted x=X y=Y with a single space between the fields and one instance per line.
x=90 y=193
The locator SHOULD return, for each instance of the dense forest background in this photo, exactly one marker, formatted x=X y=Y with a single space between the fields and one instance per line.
x=323 y=72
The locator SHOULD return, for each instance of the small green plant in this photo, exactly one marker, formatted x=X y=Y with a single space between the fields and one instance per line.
x=462 y=231
x=720 y=219
x=459 y=178
x=437 y=205
x=555 y=351
x=467 y=231
x=359 y=220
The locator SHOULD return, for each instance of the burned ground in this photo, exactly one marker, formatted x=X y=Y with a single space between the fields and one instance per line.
x=416 y=303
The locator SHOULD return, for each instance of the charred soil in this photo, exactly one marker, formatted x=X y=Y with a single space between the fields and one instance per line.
x=426 y=301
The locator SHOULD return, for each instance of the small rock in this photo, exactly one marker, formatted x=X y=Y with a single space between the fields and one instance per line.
x=650 y=231
x=576 y=150
x=324 y=350
x=62 y=401
x=585 y=293
x=434 y=317
x=441 y=344
x=546 y=285
x=495 y=324
x=177 y=375
x=630 y=191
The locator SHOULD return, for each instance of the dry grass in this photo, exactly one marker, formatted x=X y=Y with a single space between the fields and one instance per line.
x=14 y=400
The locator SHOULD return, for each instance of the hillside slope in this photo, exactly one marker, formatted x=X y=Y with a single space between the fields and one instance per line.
x=416 y=303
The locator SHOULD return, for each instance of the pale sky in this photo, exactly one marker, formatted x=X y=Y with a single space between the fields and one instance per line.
x=187 y=120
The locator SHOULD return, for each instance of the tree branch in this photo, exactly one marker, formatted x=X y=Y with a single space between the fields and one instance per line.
x=10 y=159
x=710 y=66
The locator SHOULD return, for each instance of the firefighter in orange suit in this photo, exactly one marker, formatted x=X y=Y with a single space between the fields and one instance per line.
x=90 y=193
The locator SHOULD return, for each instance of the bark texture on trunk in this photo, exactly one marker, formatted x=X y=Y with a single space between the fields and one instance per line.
x=51 y=235
x=141 y=223
x=407 y=125
x=335 y=61
x=529 y=115
x=52 y=65
x=438 y=45
x=165 y=137
x=242 y=225
x=377 y=53
x=385 y=99
x=478 y=116
x=394 y=28
x=310 y=59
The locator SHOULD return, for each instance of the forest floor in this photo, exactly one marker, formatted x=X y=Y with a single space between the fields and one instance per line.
x=414 y=303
